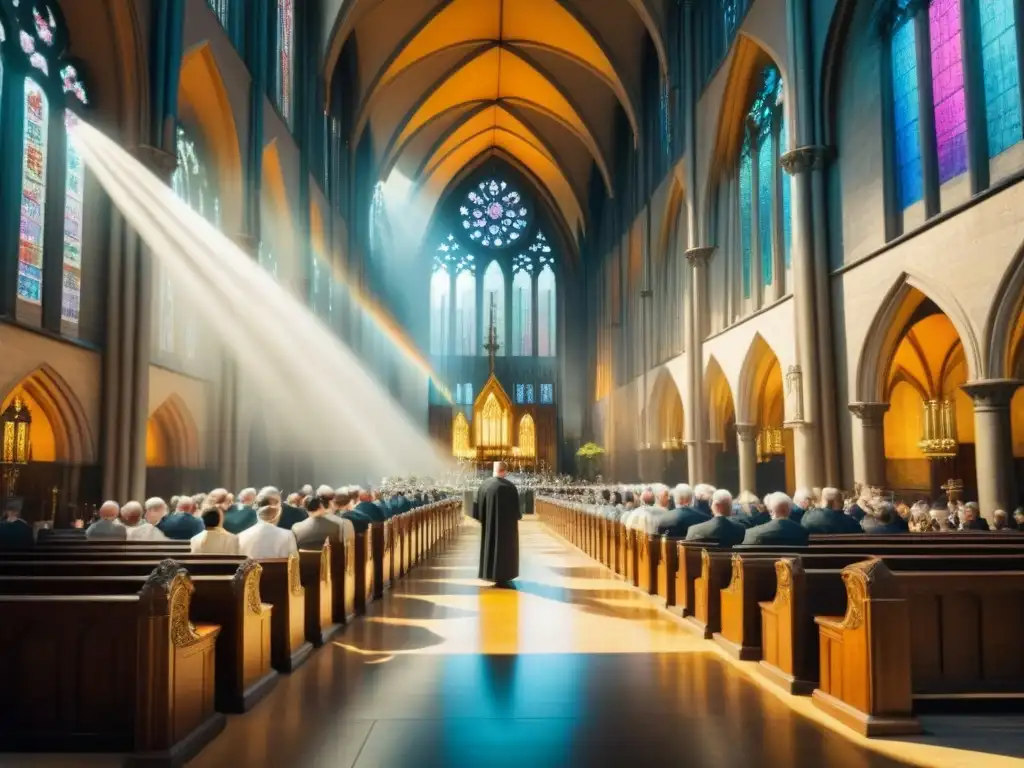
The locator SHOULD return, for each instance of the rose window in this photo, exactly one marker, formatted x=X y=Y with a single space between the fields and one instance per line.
x=495 y=216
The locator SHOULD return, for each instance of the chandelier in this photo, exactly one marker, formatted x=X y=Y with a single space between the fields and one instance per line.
x=939 y=438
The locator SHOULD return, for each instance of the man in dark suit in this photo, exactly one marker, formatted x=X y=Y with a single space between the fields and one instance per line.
x=242 y=514
x=678 y=521
x=317 y=528
x=883 y=520
x=15 y=533
x=720 y=529
x=368 y=508
x=703 y=494
x=181 y=524
x=830 y=518
x=750 y=512
x=289 y=515
x=399 y=504
x=781 y=530
x=973 y=521
x=803 y=502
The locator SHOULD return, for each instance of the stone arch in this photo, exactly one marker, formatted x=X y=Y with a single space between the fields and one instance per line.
x=750 y=57
x=1004 y=326
x=757 y=386
x=203 y=98
x=670 y=222
x=277 y=220
x=63 y=418
x=665 y=413
x=887 y=328
x=172 y=438
x=721 y=406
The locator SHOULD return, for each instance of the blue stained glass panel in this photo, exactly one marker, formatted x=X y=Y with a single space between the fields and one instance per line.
x=948 y=88
x=547 y=394
x=529 y=394
x=520 y=394
x=906 y=115
x=787 y=220
x=765 y=190
x=746 y=212
x=999 y=65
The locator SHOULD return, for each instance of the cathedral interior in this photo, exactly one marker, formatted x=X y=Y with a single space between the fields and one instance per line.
x=762 y=244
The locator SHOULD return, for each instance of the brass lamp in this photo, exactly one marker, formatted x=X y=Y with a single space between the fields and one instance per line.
x=939 y=438
x=16 y=421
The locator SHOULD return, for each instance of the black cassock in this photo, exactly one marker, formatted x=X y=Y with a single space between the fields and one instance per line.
x=498 y=508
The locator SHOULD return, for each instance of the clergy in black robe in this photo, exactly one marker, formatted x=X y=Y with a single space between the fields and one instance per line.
x=498 y=506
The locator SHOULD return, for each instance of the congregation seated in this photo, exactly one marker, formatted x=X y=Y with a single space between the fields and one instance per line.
x=720 y=528
x=181 y=525
x=339 y=502
x=644 y=517
x=266 y=540
x=801 y=504
x=749 y=512
x=883 y=520
x=108 y=527
x=366 y=510
x=15 y=533
x=973 y=521
x=829 y=517
x=703 y=494
x=678 y=522
x=242 y=514
x=214 y=540
x=781 y=530
x=136 y=526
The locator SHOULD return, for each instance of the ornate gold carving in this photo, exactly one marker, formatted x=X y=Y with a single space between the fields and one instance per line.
x=253 y=602
x=183 y=632
x=736 y=579
x=705 y=564
x=350 y=557
x=294 y=580
x=864 y=579
x=325 y=562
x=784 y=572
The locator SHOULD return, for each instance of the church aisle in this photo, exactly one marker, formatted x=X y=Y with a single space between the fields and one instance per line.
x=571 y=668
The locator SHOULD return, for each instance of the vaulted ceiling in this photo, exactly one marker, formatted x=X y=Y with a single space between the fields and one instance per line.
x=444 y=83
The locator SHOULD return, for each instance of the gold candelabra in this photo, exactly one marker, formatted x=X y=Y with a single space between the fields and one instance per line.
x=769 y=443
x=939 y=438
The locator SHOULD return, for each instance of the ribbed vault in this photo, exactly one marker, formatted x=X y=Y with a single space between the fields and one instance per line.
x=439 y=83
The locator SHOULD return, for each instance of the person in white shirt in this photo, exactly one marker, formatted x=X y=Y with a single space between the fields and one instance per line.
x=214 y=540
x=645 y=517
x=137 y=528
x=265 y=541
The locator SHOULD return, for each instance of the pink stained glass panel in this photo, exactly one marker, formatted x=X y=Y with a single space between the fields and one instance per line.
x=948 y=88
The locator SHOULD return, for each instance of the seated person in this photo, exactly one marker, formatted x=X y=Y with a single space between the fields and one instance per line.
x=883 y=520
x=266 y=540
x=15 y=533
x=312 y=532
x=720 y=529
x=108 y=527
x=802 y=503
x=781 y=530
x=973 y=521
x=751 y=511
x=182 y=525
x=137 y=525
x=830 y=518
x=678 y=522
x=214 y=540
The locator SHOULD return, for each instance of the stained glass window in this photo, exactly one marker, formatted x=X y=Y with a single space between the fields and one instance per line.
x=520 y=394
x=787 y=220
x=730 y=15
x=221 y=8
x=33 y=193
x=746 y=215
x=1002 y=79
x=547 y=394
x=494 y=306
x=906 y=115
x=285 y=56
x=465 y=310
x=948 y=88
x=547 y=313
x=522 y=305
x=765 y=191
x=529 y=394
x=440 y=308
x=74 y=195
x=495 y=216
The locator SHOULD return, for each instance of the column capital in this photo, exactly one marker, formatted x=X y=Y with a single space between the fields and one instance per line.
x=701 y=255
x=991 y=395
x=158 y=161
x=809 y=158
x=871 y=414
x=747 y=432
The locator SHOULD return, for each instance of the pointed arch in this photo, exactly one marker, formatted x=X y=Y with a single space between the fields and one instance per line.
x=889 y=325
x=1004 y=326
x=494 y=300
x=721 y=407
x=527 y=438
x=172 y=434
x=665 y=413
x=63 y=417
x=756 y=384
x=202 y=92
x=460 y=436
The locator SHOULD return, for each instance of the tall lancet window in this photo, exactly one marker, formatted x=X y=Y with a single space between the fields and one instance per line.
x=441 y=298
x=547 y=307
x=494 y=305
x=522 y=305
x=284 y=72
x=465 y=306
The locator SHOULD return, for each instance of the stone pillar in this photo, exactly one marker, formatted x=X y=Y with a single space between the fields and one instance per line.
x=698 y=459
x=869 y=470
x=993 y=443
x=746 y=446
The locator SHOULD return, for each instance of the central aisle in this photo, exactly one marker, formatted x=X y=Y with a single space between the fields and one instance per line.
x=572 y=668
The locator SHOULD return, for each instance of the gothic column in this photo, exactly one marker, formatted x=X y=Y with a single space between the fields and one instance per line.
x=697 y=455
x=869 y=467
x=993 y=443
x=746 y=446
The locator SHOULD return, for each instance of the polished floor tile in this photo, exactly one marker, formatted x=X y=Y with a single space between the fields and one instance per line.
x=570 y=668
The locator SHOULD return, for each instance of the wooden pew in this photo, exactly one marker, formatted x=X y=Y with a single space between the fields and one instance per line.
x=751 y=582
x=688 y=569
x=667 y=567
x=109 y=673
x=315 y=570
x=647 y=551
x=343 y=579
x=364 y=570
x=280 y=585
x=381 y=540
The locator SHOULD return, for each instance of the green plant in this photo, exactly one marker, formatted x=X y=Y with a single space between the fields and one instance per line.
x=590 y=451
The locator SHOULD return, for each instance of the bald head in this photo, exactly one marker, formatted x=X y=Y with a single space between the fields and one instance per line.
x=500 y=469
x=156 y=509
x=109 y=510
x=218 y=497
x=247 y=496
x=131 y=513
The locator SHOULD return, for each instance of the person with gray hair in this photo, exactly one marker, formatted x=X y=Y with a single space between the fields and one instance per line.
x=645 y=517
x=108 y=527
x=136 y=527
x=678 y=522
x=883 y=519
x=781 y=531
x=830 y=518
x=265 y=540
x=242 y=515
x=721 y=528
x=972 y=519
x=802 y=502
x=703 y=494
